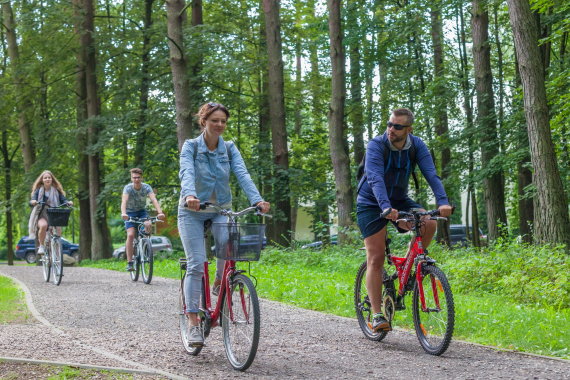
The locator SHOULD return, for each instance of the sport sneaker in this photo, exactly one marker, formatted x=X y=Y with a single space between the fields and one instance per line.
x=130 y=266
x=380 y=323
x=195 y=338
x=41 y=250
x=216 y=290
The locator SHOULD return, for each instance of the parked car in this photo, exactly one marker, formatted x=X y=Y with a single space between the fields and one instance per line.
x=318 y=244
x=26 y=249
x=458 y=235
x=159 y=244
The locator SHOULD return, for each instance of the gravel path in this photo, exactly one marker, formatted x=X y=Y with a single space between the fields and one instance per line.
x=100 y=317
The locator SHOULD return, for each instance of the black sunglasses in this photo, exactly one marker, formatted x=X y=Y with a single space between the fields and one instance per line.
x=397 y=127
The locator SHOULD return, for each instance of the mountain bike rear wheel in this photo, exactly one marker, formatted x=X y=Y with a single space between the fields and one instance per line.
x=434 y=325
x=363 y=306
x=46 y=264
x=146 y=261
x=56 y=261
x=240 y=322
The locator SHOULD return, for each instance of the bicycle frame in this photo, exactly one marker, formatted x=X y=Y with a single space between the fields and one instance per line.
x=229 y=271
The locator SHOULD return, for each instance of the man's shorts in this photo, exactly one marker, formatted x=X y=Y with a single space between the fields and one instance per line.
x=135 y=214
x=368 y=217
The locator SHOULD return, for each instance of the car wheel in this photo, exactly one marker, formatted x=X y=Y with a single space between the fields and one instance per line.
x=76 y=256
x=121 y=256
x=31 y=257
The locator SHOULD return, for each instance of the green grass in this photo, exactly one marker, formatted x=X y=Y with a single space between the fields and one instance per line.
x=12 y=303
x=491 y=306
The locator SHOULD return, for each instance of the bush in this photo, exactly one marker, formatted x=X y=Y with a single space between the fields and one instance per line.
x=529 y=274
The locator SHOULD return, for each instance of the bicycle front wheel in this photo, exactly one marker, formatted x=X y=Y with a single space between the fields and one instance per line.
x=46 y=264
x=146 y=261
x=240 y=322
x=56 y=261
x=434 y=325
x=363 y=306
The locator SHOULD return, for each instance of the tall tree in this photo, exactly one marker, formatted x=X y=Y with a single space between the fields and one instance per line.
x=23 y=105
x=493 y=185
x=85 y=238
x=8 y=158
x=101 y=238
x=552 y=223
x=176 y=18
x=337 y=132
x=281 y=190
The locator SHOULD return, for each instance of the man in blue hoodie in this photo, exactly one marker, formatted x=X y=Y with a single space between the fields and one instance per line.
x=384 y=185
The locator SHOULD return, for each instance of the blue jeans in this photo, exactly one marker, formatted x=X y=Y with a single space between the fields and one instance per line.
x=191 y=228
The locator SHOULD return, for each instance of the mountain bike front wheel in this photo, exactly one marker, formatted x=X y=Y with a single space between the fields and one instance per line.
x=146 y=261
x=434 y=325
x=56 y=261
x=363 y=305
x=240 y=322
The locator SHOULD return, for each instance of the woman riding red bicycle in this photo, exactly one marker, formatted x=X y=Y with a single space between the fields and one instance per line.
x=205 y=166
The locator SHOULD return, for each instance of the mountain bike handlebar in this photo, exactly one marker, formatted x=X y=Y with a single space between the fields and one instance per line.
x=152 y=219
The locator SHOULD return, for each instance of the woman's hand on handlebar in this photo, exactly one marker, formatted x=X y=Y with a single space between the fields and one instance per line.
x=263 y=206
x=33 y=202
x=69 y=203
x=193 y=203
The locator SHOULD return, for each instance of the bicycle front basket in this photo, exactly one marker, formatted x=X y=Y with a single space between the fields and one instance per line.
x=58 y=217
x=239 y=241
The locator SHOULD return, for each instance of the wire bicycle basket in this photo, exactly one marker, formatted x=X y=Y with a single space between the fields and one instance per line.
x=238 y=241
x=58 y=217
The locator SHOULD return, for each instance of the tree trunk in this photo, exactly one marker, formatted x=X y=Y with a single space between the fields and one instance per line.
x=85 y=238
x=281 y=190
x=176 y=16
x=493 y=182
x=196 y=62
x=145 y=83
x=101 y=238
x=552 y=224
x=441 y=121
x=355 y=109
x=23 y=104
x=8 y=158
x=337 y=133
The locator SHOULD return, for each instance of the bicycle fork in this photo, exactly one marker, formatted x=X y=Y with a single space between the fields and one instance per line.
x=435 y=285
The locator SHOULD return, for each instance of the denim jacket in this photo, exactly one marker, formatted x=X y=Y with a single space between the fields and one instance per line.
x=211 y=172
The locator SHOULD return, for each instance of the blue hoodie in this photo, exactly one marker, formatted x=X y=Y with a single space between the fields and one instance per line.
x=385 y=181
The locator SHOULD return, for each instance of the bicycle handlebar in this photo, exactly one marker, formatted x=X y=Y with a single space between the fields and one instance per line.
x=152 y=219
x=63 y=205
x=230 y=213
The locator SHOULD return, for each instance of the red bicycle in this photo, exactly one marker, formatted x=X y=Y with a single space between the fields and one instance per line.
x=237 y=306
x=432 y=301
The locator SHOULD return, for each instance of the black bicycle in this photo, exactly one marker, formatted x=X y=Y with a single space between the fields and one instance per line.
x=143 y=258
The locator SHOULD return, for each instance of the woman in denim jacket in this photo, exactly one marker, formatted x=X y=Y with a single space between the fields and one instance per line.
x=205 y=165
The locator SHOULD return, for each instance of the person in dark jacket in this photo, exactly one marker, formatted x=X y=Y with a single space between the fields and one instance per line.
x=384 y=185
x=46 y=192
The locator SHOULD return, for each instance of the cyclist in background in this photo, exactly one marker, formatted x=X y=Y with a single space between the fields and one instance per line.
x=46 y=192
x=384 y=185
x=205 y=165
x=133 y=204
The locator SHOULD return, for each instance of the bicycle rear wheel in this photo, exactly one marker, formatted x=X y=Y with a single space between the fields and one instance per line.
x=185 y=326
x=240 y=322
x=434 y=326
x=46 y=264
x=146 y=261
x=56 y=261
x=363 y=306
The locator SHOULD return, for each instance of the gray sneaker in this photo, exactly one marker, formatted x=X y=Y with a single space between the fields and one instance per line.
x=196 y=338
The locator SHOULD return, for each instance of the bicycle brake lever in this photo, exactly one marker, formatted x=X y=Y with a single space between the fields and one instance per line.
x=266 y=215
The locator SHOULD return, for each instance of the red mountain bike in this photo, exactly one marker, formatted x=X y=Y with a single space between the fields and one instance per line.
x=237 y=307
x=432 y=301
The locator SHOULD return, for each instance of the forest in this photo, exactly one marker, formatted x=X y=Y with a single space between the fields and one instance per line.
x=90 y=89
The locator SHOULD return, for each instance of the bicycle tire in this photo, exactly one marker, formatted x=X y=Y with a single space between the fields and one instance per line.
x=56 y=261
x=136 y=263
x=184 y=326
x=147 y=260
x=46 y=264
x=363 y=307
x=434 y=327
x=245 y=323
